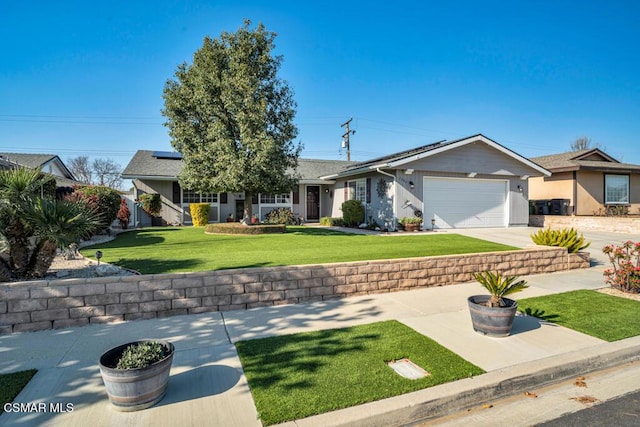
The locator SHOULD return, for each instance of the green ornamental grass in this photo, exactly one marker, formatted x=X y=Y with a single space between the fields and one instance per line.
x=607 y=317
x=296 y=376
x=186 y=249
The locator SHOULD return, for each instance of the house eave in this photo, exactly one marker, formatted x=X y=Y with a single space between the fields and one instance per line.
x=504 y=150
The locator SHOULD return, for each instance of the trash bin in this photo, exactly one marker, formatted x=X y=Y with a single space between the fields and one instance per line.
x=542 y=207
x=559 y=206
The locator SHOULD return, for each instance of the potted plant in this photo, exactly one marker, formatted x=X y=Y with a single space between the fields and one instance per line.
x=411 y=223
x=136 y=374
x=493 y=314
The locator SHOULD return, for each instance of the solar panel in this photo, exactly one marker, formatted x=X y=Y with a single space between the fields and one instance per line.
x=167 y=155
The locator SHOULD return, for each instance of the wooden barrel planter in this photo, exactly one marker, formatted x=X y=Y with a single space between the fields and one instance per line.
x=135 y=389
x=492 y=321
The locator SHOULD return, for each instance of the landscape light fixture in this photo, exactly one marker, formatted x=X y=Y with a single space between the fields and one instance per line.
x=433 y=224
x=98 y=256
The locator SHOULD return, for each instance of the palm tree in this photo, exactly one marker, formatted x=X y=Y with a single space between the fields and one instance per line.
x=499 y=286
x=33 y=224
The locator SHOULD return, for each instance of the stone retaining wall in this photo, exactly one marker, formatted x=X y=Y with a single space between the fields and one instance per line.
x=582 y=223
x=32 y=306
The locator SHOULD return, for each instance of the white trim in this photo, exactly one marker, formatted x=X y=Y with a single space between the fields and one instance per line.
x=482 y=138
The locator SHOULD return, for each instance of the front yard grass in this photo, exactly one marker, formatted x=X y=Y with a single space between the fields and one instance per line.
x=12 y=384
x=299 y=375
x=188 y=249
x=607 y=317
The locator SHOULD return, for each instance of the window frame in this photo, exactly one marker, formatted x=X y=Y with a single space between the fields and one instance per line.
x=625 y=198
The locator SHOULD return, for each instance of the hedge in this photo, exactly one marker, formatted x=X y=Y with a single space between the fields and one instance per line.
x=199 y=213
x=237 y=228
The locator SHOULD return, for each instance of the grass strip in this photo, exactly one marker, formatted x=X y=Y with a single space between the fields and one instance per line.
x=603 y=316
x=186 y=249
x=296 y=376
x=12 y=384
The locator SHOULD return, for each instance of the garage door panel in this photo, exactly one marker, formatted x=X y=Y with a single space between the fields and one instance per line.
x=465 y=203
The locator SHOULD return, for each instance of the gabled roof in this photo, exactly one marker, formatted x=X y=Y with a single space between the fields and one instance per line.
x=589 y=159
x=396 y=160
x=37 y=161
x=156 y=165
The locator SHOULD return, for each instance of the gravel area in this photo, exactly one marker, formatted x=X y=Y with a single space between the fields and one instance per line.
x=74 y=265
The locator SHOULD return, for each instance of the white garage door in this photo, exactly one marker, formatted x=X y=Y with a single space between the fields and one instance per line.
x=465 y=203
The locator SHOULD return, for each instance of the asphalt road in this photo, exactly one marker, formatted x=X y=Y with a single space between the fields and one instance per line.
x=620 y=412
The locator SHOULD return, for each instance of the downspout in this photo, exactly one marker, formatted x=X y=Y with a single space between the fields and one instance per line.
x=393 y=178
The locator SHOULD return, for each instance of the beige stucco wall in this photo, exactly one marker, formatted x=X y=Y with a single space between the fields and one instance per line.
x=557 y=186
x=590 y=192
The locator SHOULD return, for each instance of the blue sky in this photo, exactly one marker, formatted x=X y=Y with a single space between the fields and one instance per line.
x=87 y=77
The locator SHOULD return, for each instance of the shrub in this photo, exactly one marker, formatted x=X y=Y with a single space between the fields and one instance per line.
x=103 y=200
x=565 y=238
x=124 y=214
x=352 y=213
x=281 y=216
x=410 y=220
x=141 y=355
x=331 y=222
x=238 y=228
x=151 y=203
x=199 y=213
x=625 y=259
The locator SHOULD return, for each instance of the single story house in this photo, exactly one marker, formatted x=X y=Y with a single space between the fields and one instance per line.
x=47 y=163
x=589 y=181
x=469 y=182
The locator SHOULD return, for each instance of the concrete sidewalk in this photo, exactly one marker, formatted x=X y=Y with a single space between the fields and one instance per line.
x=207 y=385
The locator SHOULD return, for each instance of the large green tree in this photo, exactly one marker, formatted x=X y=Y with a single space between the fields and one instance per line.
x=231 y=117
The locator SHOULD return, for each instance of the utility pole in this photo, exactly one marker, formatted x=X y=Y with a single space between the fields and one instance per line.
x=345 y=138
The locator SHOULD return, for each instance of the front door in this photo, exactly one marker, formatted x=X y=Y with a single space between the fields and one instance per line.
x=239 y=210
x=313 y=203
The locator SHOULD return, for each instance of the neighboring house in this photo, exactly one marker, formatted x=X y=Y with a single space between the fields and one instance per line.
x=589 y=181
x=47 y=163
x=470 y=182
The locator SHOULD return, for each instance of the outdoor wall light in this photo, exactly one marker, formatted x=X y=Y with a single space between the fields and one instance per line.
x=519 y=188
x=326 y=190
x=411 y=184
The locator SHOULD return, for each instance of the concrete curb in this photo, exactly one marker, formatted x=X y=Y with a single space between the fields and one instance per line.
x=457 y=396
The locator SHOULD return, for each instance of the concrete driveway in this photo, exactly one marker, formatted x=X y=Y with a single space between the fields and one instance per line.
x=521 y=237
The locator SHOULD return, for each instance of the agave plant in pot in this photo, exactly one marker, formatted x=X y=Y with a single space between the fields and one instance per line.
x=136 y=374
x=492 y=314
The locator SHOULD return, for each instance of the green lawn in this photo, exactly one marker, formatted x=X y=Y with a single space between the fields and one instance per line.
x=602 y=316
x=186 y=249
x=11 y=384
x=296 y=376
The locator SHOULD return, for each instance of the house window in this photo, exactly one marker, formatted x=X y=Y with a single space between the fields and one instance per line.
x=616 y=189
x=357 y=190
x=189 y=196
x=275 y=199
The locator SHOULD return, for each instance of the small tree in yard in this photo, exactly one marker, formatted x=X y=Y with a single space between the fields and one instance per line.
x=231 y=117
x=34 y=224
x=124 y=214
x=625 y=263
